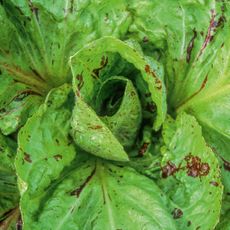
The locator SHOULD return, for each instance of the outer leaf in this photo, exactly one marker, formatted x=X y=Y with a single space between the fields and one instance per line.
x=44 y=148
x=87 y=63
x=98 y=195
x=92 y=135
x=9 y=194
x=191 y=175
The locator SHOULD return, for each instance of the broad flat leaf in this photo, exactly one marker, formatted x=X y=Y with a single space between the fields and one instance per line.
x=190 y=175
x=9 y=195
x=44 y=147
x=91 y=134
x=93 y=194
x=108 y=57
x=18 y=101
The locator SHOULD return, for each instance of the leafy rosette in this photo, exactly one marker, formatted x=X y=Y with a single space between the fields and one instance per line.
x=117 y=91
x=82 y=155
x=115 y=114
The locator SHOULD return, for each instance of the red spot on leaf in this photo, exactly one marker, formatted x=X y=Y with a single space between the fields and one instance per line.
x=177 y=213
x=143 y=149
x=196 y=168
x=27 y=157
x=169 y=169
x=58 y=157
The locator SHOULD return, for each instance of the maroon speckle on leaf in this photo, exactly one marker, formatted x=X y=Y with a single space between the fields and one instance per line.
x=27 y=157
x=78 y=190
x=57 y=157
x=147 y=69
x=204 y=83
x=177 y=213
x=96 y=72
x=80 y=84
x=196 y=168
x=190 y=46
x=214 y=183
x=226 y=165
x=143 y=149
x=157 y=81
x=209 y=35
x=169 y=169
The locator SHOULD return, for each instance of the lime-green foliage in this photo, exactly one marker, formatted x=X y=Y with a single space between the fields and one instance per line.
x=115 y=114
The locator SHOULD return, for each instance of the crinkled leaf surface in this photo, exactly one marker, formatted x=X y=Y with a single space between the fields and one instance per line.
x=190 y=174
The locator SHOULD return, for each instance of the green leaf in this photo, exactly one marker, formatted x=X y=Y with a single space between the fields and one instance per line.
x=91 y=134
x=193 y=42
x=9 y=195
x=185 y=40
x=97 y=61
x=17 y=103
x=190 y=174
x=93 y=194
x=44 y=147
x=211 y=106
